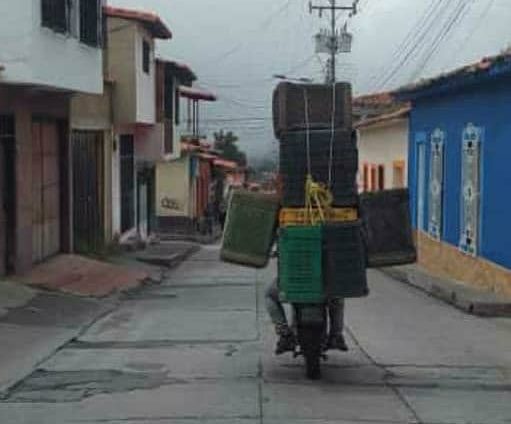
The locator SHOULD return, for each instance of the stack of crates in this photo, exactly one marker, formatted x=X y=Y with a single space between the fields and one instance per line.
x=317 y=262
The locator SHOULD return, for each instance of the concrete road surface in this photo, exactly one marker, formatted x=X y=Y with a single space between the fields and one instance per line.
x=198 y=349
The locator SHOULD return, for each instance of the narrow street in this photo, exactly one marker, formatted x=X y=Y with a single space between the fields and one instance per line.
x=198 y=348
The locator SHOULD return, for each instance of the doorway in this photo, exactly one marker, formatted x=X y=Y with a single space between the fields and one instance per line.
x=88 y=190
x=127 y=151
x=7 y=193
x=45 y=189
x=421 y=185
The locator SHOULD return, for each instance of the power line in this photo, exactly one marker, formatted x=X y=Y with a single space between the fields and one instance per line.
x=265 y=24
x=481 y=19
x=417 y=38
x=405 y=42
x=455 y=18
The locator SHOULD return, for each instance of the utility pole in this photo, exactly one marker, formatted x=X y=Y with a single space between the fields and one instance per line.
x=328 y=42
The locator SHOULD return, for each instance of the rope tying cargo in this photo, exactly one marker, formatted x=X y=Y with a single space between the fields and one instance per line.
x=318 y=198
x=318 y=201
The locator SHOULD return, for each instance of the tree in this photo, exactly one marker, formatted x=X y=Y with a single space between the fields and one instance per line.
x=225 y=142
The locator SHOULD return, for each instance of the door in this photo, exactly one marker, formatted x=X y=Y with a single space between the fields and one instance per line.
x=421 y=185
x=45 y=190
x=7 y=193
x=88 y=190
x=127 y=182
x=142 y=201
x=3 y=210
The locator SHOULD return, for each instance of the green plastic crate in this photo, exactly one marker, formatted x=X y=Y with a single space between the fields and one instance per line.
x=300 y=264
x=250 y=228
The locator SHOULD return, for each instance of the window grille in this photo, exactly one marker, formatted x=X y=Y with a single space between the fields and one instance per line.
x=146 y=56
x=55 y=15
x=436 y=184
x=470 y=189
x=91 y=22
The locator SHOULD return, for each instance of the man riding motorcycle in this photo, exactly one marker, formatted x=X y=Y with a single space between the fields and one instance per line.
x=287 y=339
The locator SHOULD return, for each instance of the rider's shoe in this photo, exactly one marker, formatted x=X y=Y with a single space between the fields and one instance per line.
x=337 y=342
x=286 y=342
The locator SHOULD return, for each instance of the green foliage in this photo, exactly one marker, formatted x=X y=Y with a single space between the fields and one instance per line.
x=225 y=142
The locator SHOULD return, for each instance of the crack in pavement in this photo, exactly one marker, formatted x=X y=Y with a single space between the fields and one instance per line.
x=152 y=344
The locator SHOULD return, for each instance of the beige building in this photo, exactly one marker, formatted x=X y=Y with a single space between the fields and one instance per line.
x=131 y=64
x=383 y=151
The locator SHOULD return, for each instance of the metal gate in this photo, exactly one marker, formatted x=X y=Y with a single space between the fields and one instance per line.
x=88 y=190
x=45 y=190
x=7 y=192
x=127 y=182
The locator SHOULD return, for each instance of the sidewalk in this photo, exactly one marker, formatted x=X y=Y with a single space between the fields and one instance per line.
x=60 y=299
x=34 y=324
x=462 y=296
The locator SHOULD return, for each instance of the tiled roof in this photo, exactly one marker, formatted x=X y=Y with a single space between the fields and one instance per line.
x=179 y=68
x=223 y=163
x=383 y=118
x=196 y=94
x=150 y=20
x=486 y=67
x=377 y=99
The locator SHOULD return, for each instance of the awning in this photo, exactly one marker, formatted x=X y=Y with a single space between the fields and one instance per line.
x=196 y=94
x=227 y=164
x=150 y=20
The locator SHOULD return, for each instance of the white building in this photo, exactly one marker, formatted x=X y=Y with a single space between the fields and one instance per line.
x=383 y=150
x=50 y=50
x=52 y=43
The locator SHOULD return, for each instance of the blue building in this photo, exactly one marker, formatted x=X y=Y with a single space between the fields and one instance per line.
x=460 y=172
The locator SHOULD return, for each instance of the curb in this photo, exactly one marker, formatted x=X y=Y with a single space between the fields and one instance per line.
x=170 y=261
x=466 y=299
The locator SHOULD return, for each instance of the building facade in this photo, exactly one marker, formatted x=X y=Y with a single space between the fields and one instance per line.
x=51 y=49
x=459 y=152
x=383 y=151
x=131 y=64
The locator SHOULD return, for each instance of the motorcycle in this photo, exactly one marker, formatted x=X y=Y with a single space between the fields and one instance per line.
x=310 y=326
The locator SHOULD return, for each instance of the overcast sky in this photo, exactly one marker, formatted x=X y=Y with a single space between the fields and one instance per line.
x=235 y=46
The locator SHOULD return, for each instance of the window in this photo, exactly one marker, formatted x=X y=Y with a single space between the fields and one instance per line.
x=374 y=172
x=90 y=22
x=177 y=117
x=470 y=189
x=365 y=177
x=169 y=137
x=436 y=184
x=55 y=15
x=398 y=176
x=146 y=56
x=381 y=177
x=169 y=97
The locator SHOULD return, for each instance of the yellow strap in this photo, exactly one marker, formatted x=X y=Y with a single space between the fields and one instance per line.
x=317 y=198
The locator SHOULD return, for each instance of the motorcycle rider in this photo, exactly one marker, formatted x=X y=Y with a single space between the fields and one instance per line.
x=287 y=340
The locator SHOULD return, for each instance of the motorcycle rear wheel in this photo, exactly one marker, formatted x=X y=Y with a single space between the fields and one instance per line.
x=313 y=366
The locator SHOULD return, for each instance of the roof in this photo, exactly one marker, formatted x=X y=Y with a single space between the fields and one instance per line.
x=376 y=99
x=150 y=20
x=197 y=94
x=384 y=118
x=486 y=69
x=181 y=70
x=224 y=163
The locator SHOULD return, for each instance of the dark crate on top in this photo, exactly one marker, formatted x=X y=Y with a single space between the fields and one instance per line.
x=294 y=169
x=289 y=106
x=250 y=227
x=300 y=264
x=344 y=260
x=386 y=216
